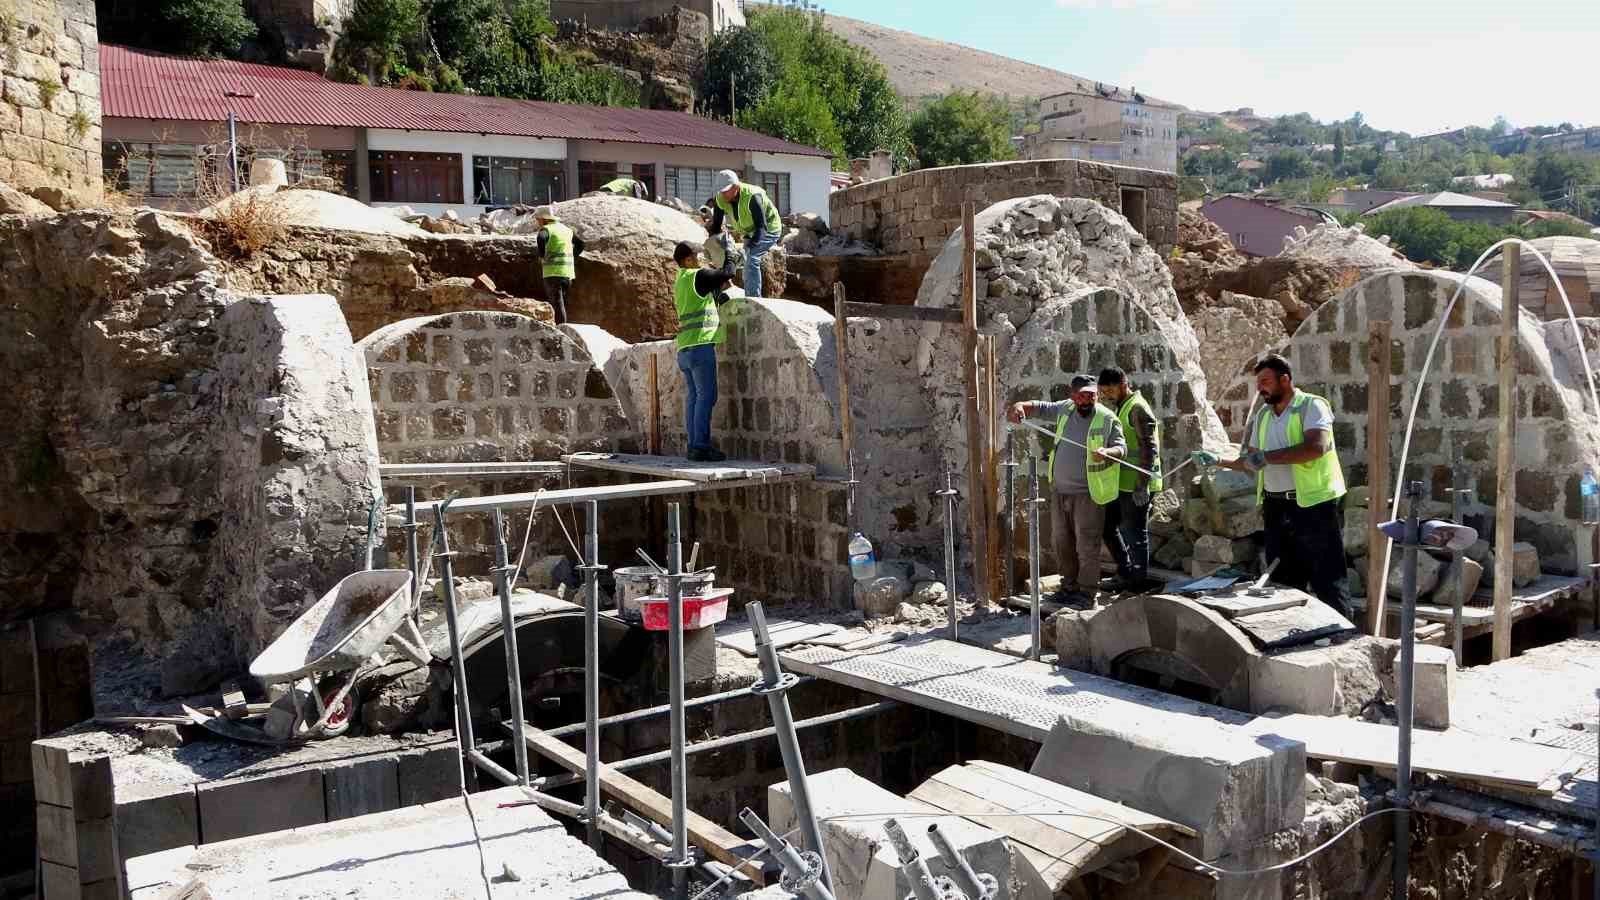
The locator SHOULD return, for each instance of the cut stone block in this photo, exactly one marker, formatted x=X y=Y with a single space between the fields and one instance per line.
x=1524 y=564
x=1238 y=517
x=1460 y=578
x=879 y=596
x=1224 y=550
x=1435 y=675
x=1072 y=639
x=1298 y=681
x=863 y=863
x=1232 y=788
x=241 y=807
x=1429 y=571
x=361 y=787
x=429 y=774
x=79 y=782
x=154 y=816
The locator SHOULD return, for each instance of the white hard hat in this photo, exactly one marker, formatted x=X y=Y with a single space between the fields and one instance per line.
x=545 y=212
x=727 y=178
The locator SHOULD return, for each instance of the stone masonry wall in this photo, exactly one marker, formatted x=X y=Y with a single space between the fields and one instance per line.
x=1456 y=420
x=916 y=212
x=50 y=95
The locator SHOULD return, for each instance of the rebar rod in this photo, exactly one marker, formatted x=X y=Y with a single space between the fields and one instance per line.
x=731 y=740
x=503 y=572
x=1010 y=465
x=680 y=860
x=921 y=879
x=949 y=495
x=797 y=872
x=413 y=561
x=775 y=686
x=1034 y=628
x=1403 y=706
x=654 y=711
x=591 y=676
x=458 y=673
x=961 y=872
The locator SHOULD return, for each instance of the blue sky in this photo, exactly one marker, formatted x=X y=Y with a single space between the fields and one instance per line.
x=1408 y=65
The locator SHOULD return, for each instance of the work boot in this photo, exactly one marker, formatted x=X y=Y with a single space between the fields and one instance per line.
x=696 y=454
x=712 y=454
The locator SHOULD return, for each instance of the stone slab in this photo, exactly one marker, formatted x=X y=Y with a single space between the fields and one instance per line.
x=1293 y=625
x=863 y=863
x=240 y=807
x=361 y=787
x=428 y=774
x=1238 y=602
x=423 y=852
x=155 y=816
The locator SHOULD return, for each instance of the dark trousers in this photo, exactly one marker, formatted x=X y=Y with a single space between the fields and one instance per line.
x=1308 y=542
x=555 y=290
x=1128 y=535
x=699 y=367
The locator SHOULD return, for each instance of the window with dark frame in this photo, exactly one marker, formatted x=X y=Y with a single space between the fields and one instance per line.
x=592 y=175
x=510 y=180
x=155 y=170
x=691 y=185
x=404 y=176
x=776 y=184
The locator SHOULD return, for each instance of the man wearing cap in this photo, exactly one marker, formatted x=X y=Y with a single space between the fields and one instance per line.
x=1128 y=519
x=1299 y=484
x=698 y=294
x=753 y=216
x=624 y=186
x=558 y=259
x=1086 y=478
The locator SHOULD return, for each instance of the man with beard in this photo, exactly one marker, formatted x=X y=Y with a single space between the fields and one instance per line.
x=1128 y=519
x=1299 y=484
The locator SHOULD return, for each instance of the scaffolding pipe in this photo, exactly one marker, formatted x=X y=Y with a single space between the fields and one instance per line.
x=503 y=572
x=949 y=495
x=775 y=686
x=799 y=875
x=591 y=677
x=922 y=883
x=458 y=673
x=976 y=887
x=1403 y=707
x=1035 y=637
x=477 y=758
x=680 y=860
x=641 y=714
x=714 y=870
x=1595 y=856
x=1010 y=465
x=413 y=562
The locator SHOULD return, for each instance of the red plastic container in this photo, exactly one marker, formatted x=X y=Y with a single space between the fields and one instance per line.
x=698 y=612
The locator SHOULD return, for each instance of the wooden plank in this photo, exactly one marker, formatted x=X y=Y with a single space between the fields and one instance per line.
x=1378 y=362
x=653 y=423
x=601 y=492
x=1505 y=497
x=841 y=343
x=943 y=316
x=783 y=632
x=1028 y=835
x=978 y=535
x=991 y=461
x=679 y=467
x=723 y=845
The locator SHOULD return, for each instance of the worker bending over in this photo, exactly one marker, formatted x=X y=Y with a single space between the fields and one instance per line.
x=1086 y=480
x=624 y=186
x=1299 y=485
x=698 y=295
x=749 y=213
x=558 y=259
x=1127 y=530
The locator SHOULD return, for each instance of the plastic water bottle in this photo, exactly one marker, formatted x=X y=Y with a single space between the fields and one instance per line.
x=1591 y=498
x=863 y=561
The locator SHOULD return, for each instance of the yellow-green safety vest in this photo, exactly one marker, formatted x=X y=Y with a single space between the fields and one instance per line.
x=739 y=211
x=558 y=261
x=623 y=186
x=1130 y=478
x=698 y=320
x=1315 y=482
x=1102 y=473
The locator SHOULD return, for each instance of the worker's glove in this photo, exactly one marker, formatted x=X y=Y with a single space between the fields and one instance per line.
x=1254 y=461
x=1203 y=459
x=1141 y=495
x=726 y=240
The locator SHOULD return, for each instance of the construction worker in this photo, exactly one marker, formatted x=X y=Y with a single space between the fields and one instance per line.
x=698 y=294
x=753 y=216
x=1128 y=520
x=558 y=259
x=1086 y=479
x=1299 y=485
x=624 y=186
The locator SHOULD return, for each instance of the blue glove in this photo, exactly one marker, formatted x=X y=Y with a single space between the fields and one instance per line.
x=1254 y=461
x=1203 y=459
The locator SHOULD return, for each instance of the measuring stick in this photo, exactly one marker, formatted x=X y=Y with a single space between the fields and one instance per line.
x=1066 y=440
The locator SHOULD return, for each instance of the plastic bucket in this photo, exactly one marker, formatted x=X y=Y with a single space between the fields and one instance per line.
x=634 y=583
x=693 y=585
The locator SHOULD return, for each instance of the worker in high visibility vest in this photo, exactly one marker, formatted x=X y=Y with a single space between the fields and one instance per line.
x=1084 y=482
x=1128 y=519
x=748 y=211
x=1289 y=448
x=558 y=259
x=698 y=294
x=626 y=187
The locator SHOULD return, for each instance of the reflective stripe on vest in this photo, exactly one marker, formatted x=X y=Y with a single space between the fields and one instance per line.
x=1315 y=482
x=739 y=211
x=619 y=186
x=698 y=321
x=1103 y=474
x=1130 y=478
x=558 y=261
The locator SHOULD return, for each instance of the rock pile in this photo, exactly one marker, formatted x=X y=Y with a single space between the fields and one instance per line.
x=318 y=209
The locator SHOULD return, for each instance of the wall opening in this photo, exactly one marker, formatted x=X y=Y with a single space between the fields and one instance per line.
x=1133 y=208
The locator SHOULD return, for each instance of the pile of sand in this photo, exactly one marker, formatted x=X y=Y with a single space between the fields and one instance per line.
x=318 y=209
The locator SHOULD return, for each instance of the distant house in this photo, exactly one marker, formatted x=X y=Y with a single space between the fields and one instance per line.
x=1251 y=165
x=1485 y=182
x=1529 y=216
x=1360 y=200
x=1107 y=125
x=1460 y=207
x=1257 y=227
x=627 y=16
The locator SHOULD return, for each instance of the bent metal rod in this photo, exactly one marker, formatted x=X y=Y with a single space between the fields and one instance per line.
x=1066 y=440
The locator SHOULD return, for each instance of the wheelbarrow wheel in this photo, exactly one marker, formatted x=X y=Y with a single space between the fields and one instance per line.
x=340 y=704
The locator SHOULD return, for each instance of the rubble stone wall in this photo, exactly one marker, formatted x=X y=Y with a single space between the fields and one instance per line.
x=918 y=211
x=1456 y=420
x=50 y=95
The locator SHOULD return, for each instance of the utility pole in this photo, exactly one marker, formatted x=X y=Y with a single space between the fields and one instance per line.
x=733 y=101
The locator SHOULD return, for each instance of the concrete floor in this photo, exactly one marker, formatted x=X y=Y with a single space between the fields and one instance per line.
x=1546 y=687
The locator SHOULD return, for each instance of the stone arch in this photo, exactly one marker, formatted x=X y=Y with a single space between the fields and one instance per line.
x=1557 y=433
x=1178 y=634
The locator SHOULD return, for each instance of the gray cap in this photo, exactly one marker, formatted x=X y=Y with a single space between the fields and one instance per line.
x=727 y=178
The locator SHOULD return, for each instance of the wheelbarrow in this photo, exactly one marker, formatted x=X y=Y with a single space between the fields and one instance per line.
x=330 y=643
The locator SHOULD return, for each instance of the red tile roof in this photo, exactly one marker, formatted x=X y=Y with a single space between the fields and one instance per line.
x=137 y=84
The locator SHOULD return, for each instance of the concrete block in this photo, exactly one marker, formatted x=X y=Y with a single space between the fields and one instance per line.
x=1072 y=639
x=57 y=834
x=60 y=882
x=1435 y=675
x=152 y=817
x=79 y=782
x=863 y=863
x=1224 y=550
x=1298 y=681
x=427 y=774
x=1524 y=564
x=1234 y=789
x=361 y=787
x=244 y=806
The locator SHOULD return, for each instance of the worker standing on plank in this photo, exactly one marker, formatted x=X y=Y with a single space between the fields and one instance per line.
x=625 y=186
x=753 y=216
x=1085 y=481
x=698 y=295
x=1128 y=519
x=558 y=258
x=1299 y=484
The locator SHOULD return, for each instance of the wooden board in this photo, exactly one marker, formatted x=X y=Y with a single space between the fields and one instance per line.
x=1536 y=598
x=679 y=467
x=1379 y=350
x=1239 y=603
x=784 y=633
x=1456 y=754
x=723 y=845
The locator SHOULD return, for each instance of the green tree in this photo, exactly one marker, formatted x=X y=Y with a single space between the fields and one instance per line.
x=1427 y=235
x=962 y=128
x=1287 y=164
x=798 y=113
x=737 y=61
x=1338 y=146
x=376 y=39
x=1213 y=163
x=190 y=27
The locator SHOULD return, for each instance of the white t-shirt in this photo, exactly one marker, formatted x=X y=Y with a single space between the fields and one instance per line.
x=1318 y=417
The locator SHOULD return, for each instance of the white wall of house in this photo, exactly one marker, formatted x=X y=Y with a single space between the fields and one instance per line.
x=809 y=178
x=468 y=145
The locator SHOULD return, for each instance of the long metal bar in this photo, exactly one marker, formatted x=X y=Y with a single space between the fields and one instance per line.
x=503 y=572
x=680 y=860
x=1126 y=465
x=921 y=879
x=1035 y=601
x=591 y=677
x=1010 y=467
x=960 y=871
x=1458 y=505
x=949 y=495
x=1403 y=705
x=776 y=686
x=714 y=870
x=477 y=758
x=458 y=673
x=413 y=561
x=795 y=867
x=654 y=711
x=562 y=496
x=466 y=470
